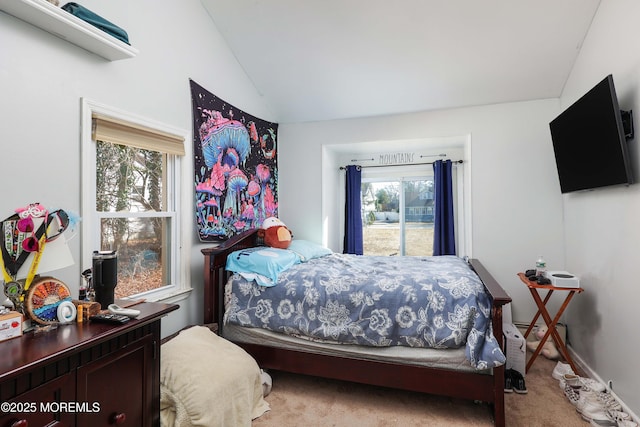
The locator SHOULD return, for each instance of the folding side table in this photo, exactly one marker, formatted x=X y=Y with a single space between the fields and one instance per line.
x=535 y=288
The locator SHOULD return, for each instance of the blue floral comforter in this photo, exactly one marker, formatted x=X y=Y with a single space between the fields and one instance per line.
x=436 y=302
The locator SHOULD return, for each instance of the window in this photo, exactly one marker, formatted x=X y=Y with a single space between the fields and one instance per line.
x=398 y=207
x=397 y=222
x=131 y=194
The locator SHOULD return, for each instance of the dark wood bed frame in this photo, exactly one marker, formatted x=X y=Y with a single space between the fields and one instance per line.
x=443 y=382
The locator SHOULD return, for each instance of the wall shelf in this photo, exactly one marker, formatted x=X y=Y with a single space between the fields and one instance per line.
x=60 y=23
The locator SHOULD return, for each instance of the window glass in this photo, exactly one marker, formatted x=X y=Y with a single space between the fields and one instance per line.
x=380 y=225
x=130 y=181
x=418 y=221
x=141 y=245
x=397 y=222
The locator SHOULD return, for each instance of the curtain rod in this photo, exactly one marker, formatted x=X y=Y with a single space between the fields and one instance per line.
x=406 y=164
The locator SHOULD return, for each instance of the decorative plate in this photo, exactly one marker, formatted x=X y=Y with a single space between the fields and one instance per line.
x=43 y=298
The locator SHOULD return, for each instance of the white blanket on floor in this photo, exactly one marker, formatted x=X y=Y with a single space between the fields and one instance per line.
x=208 y=381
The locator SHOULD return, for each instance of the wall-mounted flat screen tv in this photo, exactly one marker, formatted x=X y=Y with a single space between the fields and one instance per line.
x=590 y=141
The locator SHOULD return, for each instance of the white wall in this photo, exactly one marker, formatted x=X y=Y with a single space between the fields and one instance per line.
x=516 y=202
x=42 y=79
x=602 y=227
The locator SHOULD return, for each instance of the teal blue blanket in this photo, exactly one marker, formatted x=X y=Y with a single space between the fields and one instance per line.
x=97 y=21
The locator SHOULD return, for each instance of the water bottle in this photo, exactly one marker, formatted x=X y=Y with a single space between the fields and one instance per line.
x=541 y=267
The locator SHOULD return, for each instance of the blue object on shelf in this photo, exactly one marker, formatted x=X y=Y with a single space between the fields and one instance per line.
x=97 y=21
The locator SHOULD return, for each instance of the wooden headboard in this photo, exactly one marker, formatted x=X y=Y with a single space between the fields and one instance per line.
x=215 y=275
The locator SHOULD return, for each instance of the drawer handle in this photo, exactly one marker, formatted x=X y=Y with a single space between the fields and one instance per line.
x=119 y=419
x=20 y=423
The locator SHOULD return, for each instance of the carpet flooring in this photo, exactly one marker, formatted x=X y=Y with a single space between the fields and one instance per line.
x=304 y=401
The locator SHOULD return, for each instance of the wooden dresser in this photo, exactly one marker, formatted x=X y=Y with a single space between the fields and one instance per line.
x=84 y=374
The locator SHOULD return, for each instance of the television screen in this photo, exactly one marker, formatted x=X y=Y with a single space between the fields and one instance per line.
x=589 y=141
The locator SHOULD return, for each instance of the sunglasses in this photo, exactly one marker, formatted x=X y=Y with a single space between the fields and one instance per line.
x=33 y=210
x=25 y=225
x=30 y=244
x=59 y=220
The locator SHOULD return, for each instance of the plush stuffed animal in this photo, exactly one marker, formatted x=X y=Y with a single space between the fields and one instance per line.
x=549 y=349
x=275 y=233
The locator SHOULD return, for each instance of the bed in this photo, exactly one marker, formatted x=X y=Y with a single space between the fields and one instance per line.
x=441 y=371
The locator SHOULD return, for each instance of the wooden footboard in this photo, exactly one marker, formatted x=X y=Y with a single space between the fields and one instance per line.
x=465 y=385
x=500 y=298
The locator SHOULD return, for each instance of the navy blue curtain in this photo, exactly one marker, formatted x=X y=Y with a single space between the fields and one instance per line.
x=444 y=242
x=353 y=217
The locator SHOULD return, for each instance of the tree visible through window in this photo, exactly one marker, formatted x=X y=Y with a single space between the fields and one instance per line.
x=130 y=192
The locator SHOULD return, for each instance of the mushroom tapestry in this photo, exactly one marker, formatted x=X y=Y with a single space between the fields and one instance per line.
x=235 y=165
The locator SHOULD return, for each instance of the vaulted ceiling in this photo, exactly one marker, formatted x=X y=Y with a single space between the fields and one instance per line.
x=331 y=59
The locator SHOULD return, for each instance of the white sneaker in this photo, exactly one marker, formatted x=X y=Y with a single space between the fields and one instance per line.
x=613 y=419
x=592 y=411
x=603 y=423
x=618 y=416
x=604 y=401
x=593 y=385
x=622 y=418
x=561 y=369
x=570 y=379
x=572 y=395
x=579 y=382
x=585 y=406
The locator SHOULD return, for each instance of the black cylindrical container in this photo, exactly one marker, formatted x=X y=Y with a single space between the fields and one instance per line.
x=105 y=276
